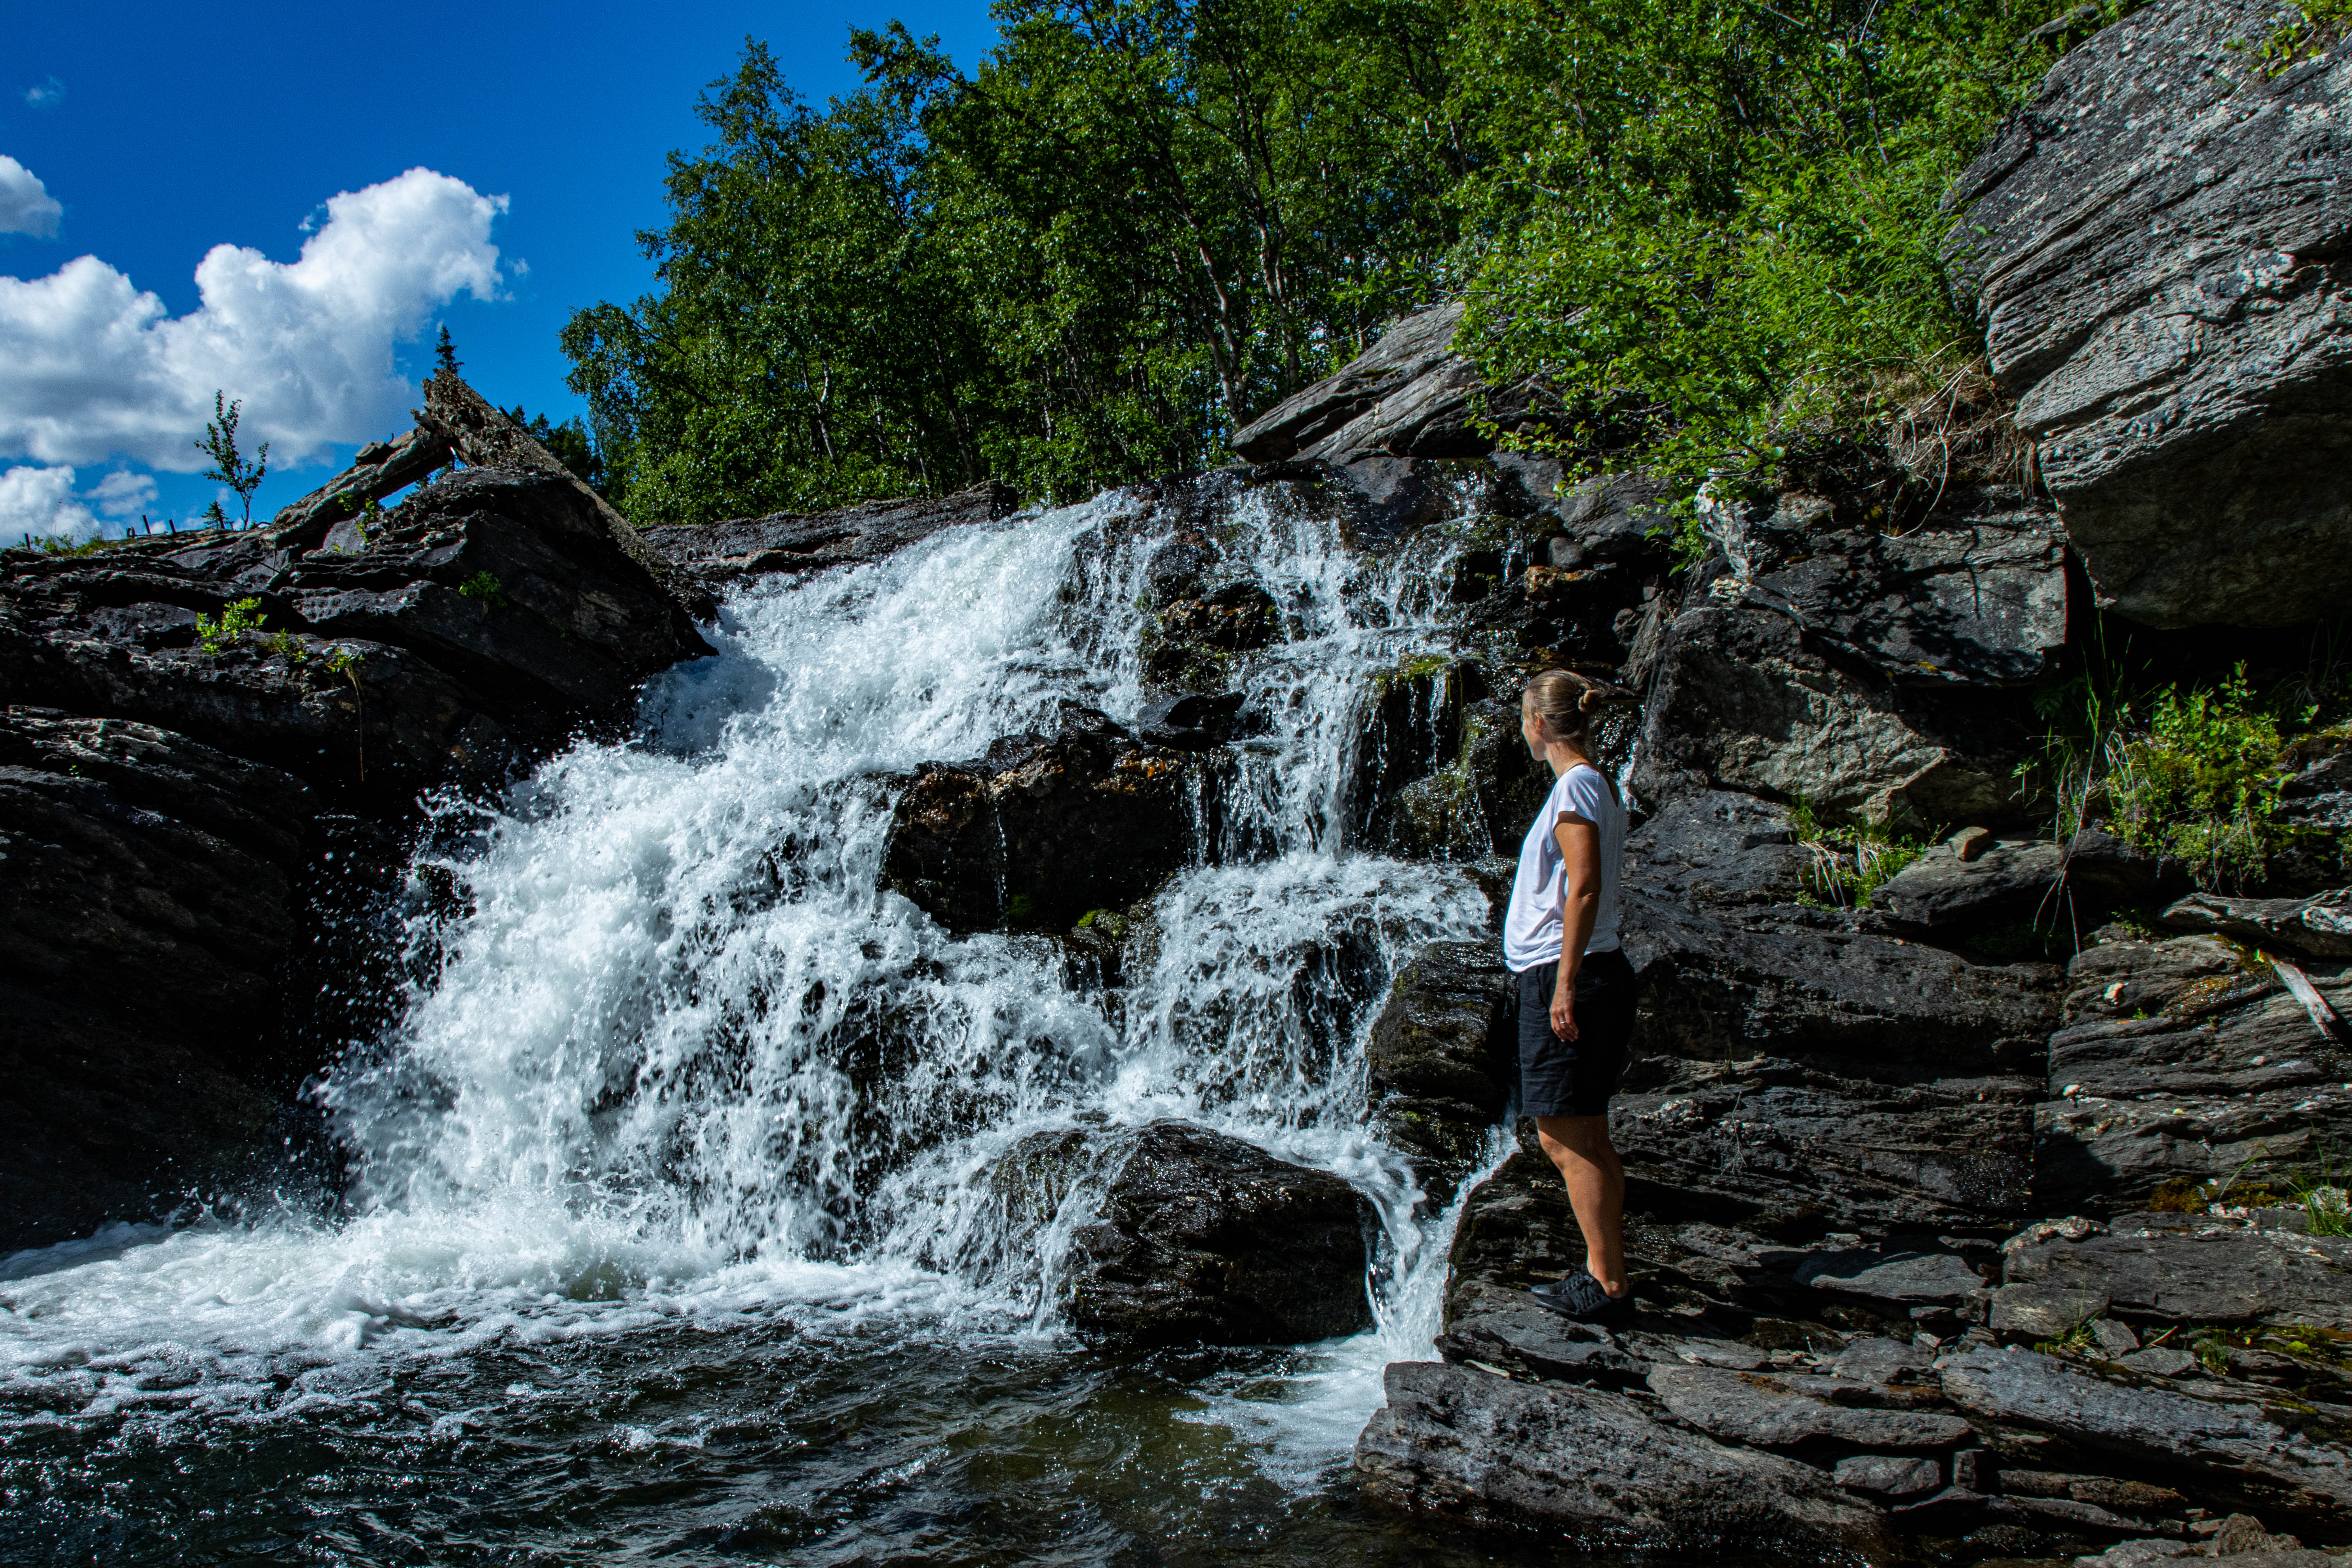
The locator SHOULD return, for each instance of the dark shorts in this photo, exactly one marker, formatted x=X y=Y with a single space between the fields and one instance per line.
x=1560 y=1078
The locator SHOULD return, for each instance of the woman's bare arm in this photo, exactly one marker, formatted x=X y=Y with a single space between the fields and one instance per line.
x=1580 y=907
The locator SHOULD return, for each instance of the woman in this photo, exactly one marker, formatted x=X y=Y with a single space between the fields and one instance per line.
x=1575 y=989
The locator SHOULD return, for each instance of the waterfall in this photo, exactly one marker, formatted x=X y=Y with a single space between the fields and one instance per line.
x=671 y=1047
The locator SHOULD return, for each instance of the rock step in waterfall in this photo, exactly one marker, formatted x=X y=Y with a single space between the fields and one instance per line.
x=1206 y=853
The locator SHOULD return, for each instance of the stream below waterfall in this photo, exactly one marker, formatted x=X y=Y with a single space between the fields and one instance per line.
x=638 y=1259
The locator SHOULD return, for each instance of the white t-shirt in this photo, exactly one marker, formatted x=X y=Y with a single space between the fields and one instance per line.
x=1531 y=933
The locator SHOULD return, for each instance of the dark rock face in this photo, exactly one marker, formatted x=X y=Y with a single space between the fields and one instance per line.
x=1409 y=395
x=1591 y=1466
x=2178 y=1060
x=1976 y=594
x=2185 y=1271
x=1741 y=702
x=2037 y=1408
x=1444 y=1061
x=2061 y=887
x=146 y=900
x=1205 y=1239
x=1044 y=829
x=2157 y=244
x=168 y=799
x=715 y=554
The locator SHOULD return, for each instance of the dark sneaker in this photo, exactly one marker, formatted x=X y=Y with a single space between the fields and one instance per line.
x=1580 y=1298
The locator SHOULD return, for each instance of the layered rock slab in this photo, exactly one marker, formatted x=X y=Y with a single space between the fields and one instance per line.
x=1442 y=1060
x=1593 y=1468
x=2035 y=1407
x=2157 y=244
x=2179 y=1059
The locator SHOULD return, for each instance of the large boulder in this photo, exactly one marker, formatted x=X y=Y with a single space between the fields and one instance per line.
x=2226 y=1450
x=1975 y=591
x=1411 y=394
x=1201 y=1238
x=482 y=622
x=1046 y=827
x=1592 y=1469
x=2168 y=1270
x=1741 y=700
x=146 y=907
x=2155 y=244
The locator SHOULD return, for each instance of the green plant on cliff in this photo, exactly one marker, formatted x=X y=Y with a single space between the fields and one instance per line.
x=230 y=465
x=1850 y=859
x=237 y=617
x=2202 y=783
x=486 y=587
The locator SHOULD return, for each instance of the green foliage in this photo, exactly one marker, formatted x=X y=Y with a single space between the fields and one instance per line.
x=2317 y=26
x=2188 y=769
x=482 y=585
x=286 y=647
x=2202 y=785
x=221 y=633
x=1703 y=224
x=346 y=663
x=229 y=466
x=445 y=354
x=1850 y=859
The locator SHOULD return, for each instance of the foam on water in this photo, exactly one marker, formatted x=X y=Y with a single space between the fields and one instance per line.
x=676 y=1053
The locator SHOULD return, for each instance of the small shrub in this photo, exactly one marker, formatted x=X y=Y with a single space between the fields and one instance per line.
x=483 y=586
x=287 y=646
x=1851 y=861
x=237 y=618
x=2203 y=784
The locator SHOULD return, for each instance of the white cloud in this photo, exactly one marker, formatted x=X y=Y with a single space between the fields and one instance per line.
x=47 y=95
x=90 y=366
x=41 y=501
x=26 y=204
x=121 y=493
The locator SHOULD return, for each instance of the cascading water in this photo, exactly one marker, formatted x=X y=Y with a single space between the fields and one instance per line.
x=673 y=1061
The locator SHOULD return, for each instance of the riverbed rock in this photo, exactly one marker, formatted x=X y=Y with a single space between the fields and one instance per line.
x=1592 y=1468
x=1442 y=1060
x=1740 y=702
x=715 y=556
x=1202 y=1238
x=1045 y=828
x=2218 y=1452
x=2153 y=244
x=2181 y=1062
x=1756 y=1410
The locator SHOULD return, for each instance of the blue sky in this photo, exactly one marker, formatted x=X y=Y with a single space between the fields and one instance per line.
x=157 y=133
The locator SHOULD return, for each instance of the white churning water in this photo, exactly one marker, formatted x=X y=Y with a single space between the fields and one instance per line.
x=683 y=1056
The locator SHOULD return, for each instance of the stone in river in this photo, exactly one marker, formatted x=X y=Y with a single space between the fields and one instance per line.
x=1202 y=1238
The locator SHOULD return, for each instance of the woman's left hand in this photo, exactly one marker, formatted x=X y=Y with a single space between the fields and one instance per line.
x=1563 y=1007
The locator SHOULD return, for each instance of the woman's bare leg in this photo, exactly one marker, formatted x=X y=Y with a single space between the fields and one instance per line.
x=1588 y=1162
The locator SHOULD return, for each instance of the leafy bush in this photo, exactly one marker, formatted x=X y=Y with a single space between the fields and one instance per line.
x=2201 y=786
x=1707 y=225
